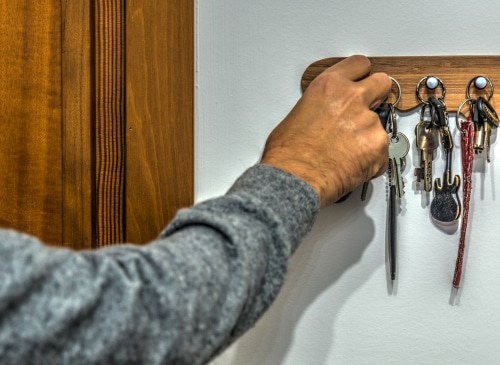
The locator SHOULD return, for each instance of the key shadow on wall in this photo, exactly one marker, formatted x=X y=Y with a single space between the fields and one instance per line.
x=339 y=238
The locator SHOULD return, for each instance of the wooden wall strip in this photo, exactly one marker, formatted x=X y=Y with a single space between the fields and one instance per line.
x=454 y=71
x=160 y=114
x=78 y=120
x=110 y=120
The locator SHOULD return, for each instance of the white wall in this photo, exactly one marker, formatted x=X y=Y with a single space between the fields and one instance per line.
x=337 y=306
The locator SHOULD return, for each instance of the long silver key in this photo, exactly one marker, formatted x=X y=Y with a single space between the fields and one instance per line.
x=398 y=149
x=427 y=138
x=392 y=231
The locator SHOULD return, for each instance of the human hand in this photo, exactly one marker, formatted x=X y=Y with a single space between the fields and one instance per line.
x=332 y=138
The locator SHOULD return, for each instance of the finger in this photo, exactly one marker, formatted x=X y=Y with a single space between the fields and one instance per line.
x=353 y=68
x=381 y=171
x=376 y=89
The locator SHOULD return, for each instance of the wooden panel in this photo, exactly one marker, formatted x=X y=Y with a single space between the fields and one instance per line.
x=110 y=120
x=160 y=83
x=454 y=71
x=30 y=118
x=77 y=124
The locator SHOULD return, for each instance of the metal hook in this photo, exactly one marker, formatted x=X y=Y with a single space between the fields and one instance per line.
x=431 y=82
x=480 y=83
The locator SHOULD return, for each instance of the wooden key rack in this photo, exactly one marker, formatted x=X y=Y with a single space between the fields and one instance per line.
x=455 y=72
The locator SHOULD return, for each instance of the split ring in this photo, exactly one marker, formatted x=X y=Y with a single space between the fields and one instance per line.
x=399 y=91
x=468 y=100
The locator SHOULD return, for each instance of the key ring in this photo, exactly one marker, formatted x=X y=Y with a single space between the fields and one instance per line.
x=468 y=100
x=392 y=126
x=422 y=110
x=480 y=83
x=400 y=92
x=431 y=82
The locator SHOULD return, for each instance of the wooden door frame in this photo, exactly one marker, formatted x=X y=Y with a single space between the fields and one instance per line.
x=78 y=110
x=102 y=64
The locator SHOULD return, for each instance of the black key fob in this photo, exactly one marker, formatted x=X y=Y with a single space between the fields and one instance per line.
x=438 y=111
x=384 y=112
x=487 y=113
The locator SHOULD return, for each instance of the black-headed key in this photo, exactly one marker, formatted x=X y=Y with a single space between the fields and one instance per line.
x=489 y=119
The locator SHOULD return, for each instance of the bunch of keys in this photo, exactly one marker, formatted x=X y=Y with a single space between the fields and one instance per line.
x=399 y=145
x=427 y=140
x=445 y=206
x=475 y=136
x=427 y=132
x=398 y=149
x=483 y=115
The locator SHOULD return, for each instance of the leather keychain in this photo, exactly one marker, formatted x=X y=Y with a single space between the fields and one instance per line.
x=466 y=128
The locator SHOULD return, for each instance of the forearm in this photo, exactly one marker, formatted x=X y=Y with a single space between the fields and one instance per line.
x=261 y=221
x=180 y=300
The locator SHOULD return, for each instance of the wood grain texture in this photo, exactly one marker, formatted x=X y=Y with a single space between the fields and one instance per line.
x=77 y=127
x=109 y=120
x=30 y=118
x=454 y=71
x=160 y=113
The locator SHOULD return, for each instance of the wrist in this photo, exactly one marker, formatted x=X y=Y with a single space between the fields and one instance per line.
x=306 y=173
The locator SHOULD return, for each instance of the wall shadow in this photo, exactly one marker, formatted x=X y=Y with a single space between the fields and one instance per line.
x=340 y=236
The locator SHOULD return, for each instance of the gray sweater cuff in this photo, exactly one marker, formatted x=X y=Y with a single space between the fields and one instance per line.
x=291 y=199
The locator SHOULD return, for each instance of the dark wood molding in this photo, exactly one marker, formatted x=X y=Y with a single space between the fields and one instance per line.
x=127 y=147
x=109 y=121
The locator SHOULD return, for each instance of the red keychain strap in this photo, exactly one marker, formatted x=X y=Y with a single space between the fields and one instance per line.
x=467 y=149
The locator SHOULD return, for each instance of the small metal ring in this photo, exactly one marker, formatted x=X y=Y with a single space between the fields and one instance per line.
x=467 y=91
x=468 y=100
x=422 y=110
x=400 y=92
x=440 y=82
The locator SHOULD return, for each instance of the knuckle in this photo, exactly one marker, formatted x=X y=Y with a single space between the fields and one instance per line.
x=328 y=81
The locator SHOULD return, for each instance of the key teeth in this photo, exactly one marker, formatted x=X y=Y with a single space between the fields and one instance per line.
x=419 y=173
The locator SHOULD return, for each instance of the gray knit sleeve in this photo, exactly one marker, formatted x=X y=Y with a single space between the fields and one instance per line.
x=179 y=300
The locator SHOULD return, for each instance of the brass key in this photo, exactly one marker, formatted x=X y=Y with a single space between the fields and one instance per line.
x=427 y=139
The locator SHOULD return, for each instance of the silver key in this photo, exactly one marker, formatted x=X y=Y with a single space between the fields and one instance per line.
x=427 y=138
x=398 y=149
